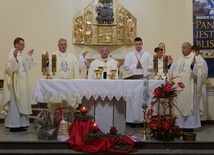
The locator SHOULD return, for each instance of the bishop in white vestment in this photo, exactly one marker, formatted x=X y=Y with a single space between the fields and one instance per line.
x=106 y=62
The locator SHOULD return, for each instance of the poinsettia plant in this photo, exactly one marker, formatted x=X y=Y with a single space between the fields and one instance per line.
x=159 y=116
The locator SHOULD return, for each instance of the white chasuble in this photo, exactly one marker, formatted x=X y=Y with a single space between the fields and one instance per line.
x=17 y=77
x=187 y=100
x=108 y=64
x=67 y=66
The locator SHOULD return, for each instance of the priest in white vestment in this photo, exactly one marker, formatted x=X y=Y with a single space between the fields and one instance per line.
x=67 y=67
x=105 y=109
x=188 y=69
x=203 y=95
x=138 y=61
x=16 y=103
x=107 y=63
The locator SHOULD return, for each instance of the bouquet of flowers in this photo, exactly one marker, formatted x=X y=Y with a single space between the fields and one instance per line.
x=159 y=116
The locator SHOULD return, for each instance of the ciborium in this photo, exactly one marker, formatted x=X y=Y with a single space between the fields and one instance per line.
x=100 y=68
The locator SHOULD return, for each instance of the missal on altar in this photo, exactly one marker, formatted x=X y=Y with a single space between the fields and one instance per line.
x=134 y=76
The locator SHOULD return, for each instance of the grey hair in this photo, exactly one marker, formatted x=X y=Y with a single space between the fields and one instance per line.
x=61 y=39
x=104 y=47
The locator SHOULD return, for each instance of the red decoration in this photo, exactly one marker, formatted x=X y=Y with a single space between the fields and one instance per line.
x=94 y=126
x=83 y=110
x=113 y=130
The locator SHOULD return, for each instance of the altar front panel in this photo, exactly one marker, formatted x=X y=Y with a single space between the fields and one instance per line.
x=108 y=96
x=107 y=113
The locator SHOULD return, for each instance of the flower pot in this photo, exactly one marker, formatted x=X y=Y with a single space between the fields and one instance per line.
x=189 y=136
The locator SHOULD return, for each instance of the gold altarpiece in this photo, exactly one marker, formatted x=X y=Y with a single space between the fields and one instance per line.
x=87 y=30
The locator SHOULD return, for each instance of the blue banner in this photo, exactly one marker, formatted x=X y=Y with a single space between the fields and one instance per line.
x=203 y=30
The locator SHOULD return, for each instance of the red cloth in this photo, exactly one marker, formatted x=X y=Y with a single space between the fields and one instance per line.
x=79 y=143
x=77 y=132
x=97 y=145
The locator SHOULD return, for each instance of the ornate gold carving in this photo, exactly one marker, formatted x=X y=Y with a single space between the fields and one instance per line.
x=78 y=36
x=87 y=30
x=104 y=34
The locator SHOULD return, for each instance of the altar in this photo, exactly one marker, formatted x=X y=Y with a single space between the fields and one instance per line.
x=105 y=99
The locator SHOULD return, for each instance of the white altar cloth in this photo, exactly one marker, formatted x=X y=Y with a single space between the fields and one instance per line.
x=101 y=93
x=58 y=89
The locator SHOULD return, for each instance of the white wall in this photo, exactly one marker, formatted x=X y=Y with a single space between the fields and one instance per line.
x=42 y=22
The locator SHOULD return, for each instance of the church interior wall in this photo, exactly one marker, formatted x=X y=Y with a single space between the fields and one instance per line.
x=42 y=22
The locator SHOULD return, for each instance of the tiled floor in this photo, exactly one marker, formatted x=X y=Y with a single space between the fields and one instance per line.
x=204 y=134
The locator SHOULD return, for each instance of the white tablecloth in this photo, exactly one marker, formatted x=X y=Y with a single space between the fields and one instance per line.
x=104 y=94
x=57 y=89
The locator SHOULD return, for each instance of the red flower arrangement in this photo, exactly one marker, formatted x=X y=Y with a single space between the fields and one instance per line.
x=159 y=116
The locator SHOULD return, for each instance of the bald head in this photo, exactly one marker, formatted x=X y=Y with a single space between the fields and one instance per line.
x=186 y=48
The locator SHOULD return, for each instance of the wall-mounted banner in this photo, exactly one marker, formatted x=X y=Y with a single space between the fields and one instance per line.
x=203 y=30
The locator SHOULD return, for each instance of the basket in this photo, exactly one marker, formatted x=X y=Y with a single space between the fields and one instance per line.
x=47 y=135
x=189 y=136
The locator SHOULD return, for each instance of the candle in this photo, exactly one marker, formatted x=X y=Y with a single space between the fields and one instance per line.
x=83 y=110
x=155 y=64
x=54 y=63
x=94 y=126
x=113 y=128
x=145 y=68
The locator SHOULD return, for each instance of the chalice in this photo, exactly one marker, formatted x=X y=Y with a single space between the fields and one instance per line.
x=96 y=74
x=113 y=72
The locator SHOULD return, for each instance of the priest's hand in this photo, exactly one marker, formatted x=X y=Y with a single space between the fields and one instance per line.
x=193 y=60
x=119 y=64
x=30 y=53
x=85 y=53
x=15 y=53
x=139 y=65
x=170 y=60
x=87 y=64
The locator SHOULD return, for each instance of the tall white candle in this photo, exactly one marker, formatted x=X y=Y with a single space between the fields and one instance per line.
x=145 y=68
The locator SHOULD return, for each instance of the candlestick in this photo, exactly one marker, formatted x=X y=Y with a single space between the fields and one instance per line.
x=54 y=59
x=165 y=64
x=155 y=64
x=144 y=105
x=144 y=136
x=43 y=64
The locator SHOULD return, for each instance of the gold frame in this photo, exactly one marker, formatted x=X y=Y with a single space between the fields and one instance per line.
x=87 y=31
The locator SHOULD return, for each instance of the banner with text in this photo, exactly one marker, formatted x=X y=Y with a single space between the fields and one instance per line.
x=203 y=30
